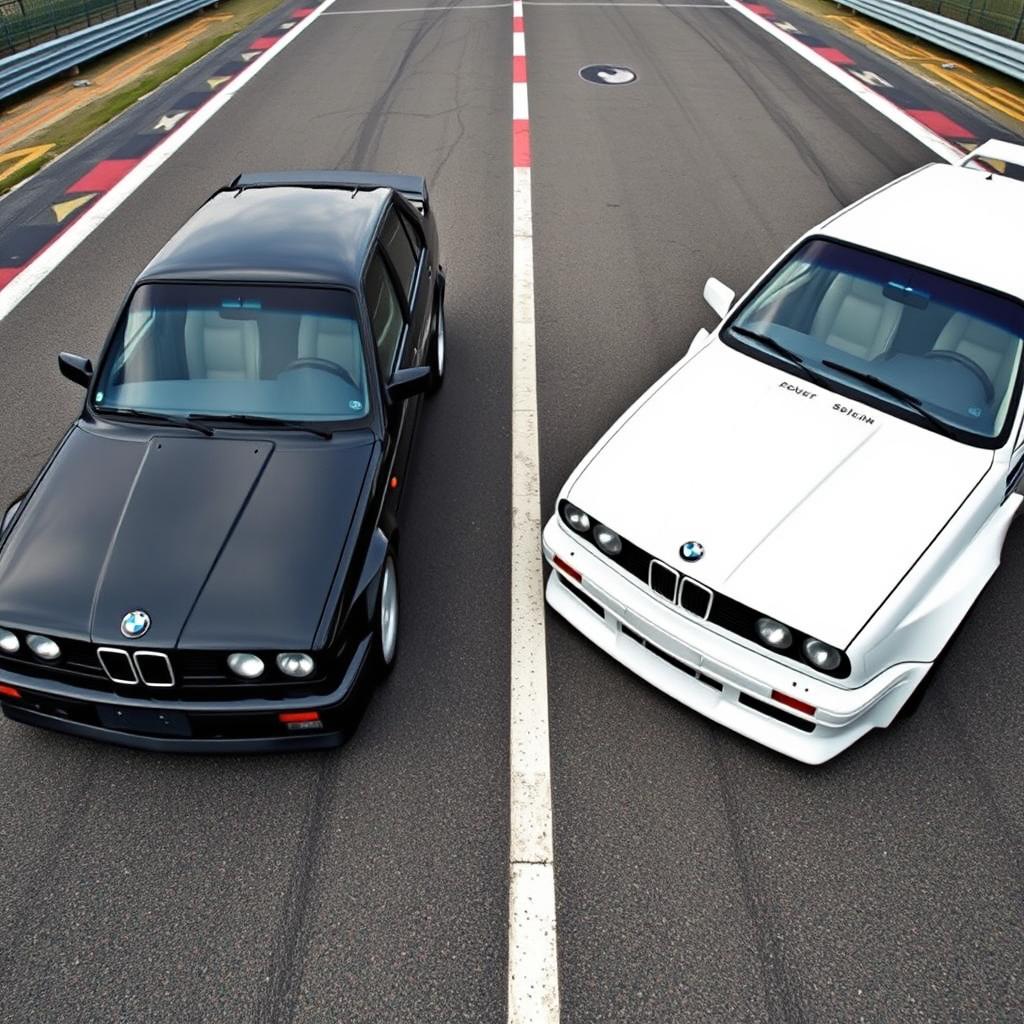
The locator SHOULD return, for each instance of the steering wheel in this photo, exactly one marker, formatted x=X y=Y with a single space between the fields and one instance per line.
x=313 y=363
x=959 y=357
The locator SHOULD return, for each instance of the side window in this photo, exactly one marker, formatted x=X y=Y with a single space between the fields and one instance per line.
x=414 y=235
x=399 y=249
x=385 y=311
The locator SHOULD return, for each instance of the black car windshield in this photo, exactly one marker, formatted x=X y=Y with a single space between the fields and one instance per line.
x=953 y=348
x=282 y=353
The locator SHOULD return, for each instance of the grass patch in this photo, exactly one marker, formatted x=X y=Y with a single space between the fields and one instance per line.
x=75 y=127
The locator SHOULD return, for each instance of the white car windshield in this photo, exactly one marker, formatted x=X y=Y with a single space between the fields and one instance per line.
x=953 y=348
x=268 y=351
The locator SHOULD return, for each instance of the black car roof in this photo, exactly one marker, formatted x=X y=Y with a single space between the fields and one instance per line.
x=285 y=234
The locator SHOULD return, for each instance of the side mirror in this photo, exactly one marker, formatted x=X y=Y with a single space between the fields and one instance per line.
x=77 y=369
x=719 y=297
x=409 y=383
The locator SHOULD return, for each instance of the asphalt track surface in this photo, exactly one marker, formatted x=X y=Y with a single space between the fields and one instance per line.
x=699 y=877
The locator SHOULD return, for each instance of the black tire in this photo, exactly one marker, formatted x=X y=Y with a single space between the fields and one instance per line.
x=384 y=644
x=438 y=354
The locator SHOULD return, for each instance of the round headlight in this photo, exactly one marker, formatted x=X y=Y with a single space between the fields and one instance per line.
x=821 y=656
x=774 y=634
x=298 y=666
x=9 y=643
x=248 y=666
x=43 y=647
x=577 y=518
x=608 y=541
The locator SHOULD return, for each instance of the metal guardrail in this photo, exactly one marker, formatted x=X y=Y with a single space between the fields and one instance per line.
x=994 y=51
x=47 y=60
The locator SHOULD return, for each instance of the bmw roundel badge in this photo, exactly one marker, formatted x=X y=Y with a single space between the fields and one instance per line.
x=692 y=551
x=135 y=624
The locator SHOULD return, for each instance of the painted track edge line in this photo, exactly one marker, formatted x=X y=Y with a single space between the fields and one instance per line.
x=35 y=272
x=533 y=992
x=886 y=108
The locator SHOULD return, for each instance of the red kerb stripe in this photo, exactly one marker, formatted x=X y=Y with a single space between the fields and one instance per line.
x=834 y=55
x=518 y=69
x=104 y=176
x=520 y=143
x=941 y=125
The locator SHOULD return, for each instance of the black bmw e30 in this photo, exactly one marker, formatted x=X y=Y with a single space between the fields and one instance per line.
x=208 y=560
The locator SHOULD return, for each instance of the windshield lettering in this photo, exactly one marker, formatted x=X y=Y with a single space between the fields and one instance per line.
x=912 y=342
x=797 y=390
x=852 y=413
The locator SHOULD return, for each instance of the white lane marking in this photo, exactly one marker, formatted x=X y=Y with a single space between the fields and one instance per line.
x=520 y=103
x=51 y=258
x=885 y=107
x=517 y=8
x=533 y=954
x=532 y=936
x=533 y=948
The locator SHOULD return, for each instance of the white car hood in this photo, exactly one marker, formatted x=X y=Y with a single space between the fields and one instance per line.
x=806 y=513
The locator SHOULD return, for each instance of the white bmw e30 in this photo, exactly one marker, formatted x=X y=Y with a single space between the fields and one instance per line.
x=785 y=530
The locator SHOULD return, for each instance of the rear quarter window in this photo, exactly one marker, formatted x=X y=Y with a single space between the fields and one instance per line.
x=400 y=251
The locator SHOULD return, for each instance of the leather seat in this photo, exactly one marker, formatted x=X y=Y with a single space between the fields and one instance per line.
x=219 y=349
x=335 y=339
x=991 y=347
x=856 y=317
x=994 y=349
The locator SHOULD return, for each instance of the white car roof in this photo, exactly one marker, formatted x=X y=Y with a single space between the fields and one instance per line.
x=958 y=220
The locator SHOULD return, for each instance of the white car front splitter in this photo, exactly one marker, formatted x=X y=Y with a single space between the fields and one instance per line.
x=723 y=679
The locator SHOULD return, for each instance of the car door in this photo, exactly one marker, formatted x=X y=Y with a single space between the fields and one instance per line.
x=403 y=247
x=403 y=252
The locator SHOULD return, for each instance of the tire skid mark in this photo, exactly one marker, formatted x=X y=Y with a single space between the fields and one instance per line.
x=364 y=148
x=780 y=997
x=752 y=76
x=278 y=999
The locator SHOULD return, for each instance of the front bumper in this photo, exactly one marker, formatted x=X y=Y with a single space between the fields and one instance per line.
x=237 y=726
x=719 y=677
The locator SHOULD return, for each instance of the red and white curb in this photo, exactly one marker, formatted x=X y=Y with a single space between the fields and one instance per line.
x=832 y=62
x=120 y=179
x=532 y=944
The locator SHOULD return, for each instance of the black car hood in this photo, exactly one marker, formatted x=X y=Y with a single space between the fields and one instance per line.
x=224 y=543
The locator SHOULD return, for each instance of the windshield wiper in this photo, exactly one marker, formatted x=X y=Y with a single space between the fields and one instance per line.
x=891 y=389
x=247 y=420
x=780 y=350
x=155 y=417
